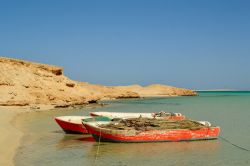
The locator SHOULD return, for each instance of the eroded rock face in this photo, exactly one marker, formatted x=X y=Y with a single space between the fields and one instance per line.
x=25 y=83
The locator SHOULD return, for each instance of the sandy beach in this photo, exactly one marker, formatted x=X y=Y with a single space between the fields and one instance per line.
x=10 y=136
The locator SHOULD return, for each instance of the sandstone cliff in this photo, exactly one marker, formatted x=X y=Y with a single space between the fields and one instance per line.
x=26 y=83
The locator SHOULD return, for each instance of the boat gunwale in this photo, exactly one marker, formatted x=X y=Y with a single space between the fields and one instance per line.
x=133 y=115
x=136 y=132
x=61 y=118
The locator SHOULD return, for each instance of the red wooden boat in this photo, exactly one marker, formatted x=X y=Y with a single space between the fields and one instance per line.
x=168 y=135
x=72 y=124
x=160 y=115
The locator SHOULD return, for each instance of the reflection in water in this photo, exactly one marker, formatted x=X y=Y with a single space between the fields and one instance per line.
x=58 y=131
x=138 y=153
x=71 y=140
x=88 y=138
x=164 y=152
x=152 y=149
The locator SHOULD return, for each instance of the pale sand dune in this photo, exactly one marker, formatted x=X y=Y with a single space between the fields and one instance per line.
x=157 y=90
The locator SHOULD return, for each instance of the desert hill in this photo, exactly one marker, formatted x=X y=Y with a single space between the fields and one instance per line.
x=24 y=83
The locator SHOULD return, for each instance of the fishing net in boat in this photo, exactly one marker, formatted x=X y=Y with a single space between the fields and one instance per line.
x=146 y=124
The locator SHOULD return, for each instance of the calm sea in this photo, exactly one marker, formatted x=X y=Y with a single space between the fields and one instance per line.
x=45 y=144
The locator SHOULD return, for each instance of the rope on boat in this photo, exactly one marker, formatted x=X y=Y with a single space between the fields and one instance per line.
x=98 y=147
x=240 y=147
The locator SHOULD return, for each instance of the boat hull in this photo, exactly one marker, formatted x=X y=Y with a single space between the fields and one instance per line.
x=174 y=135
x=71 y=127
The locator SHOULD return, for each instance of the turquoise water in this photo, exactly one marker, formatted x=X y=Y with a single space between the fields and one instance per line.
x=45 y=144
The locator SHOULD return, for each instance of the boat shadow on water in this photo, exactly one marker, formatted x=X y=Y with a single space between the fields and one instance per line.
x=69 y=140
x=74 y=140
x=142 y=153
x=208 y=146
x=102 y=153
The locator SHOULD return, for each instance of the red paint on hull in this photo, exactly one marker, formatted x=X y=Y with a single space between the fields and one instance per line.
x=175 y=118
x=92 y=114
x=154 y=136
x=71 y=127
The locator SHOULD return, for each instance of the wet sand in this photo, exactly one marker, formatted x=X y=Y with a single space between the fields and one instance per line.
x=10 y=136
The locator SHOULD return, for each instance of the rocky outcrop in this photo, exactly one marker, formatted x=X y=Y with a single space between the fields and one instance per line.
x=25 y=83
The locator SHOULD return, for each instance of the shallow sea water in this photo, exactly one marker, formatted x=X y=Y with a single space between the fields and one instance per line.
x=46 y=144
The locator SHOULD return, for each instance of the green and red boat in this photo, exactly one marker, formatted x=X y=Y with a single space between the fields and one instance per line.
x=101 y=132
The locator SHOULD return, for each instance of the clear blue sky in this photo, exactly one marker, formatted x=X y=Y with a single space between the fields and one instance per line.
x=198 y=44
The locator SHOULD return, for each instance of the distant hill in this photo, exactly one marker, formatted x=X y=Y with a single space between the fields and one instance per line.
x=24 y=83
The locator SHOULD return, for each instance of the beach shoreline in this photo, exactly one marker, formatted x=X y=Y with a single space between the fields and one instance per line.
x=10 y=136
